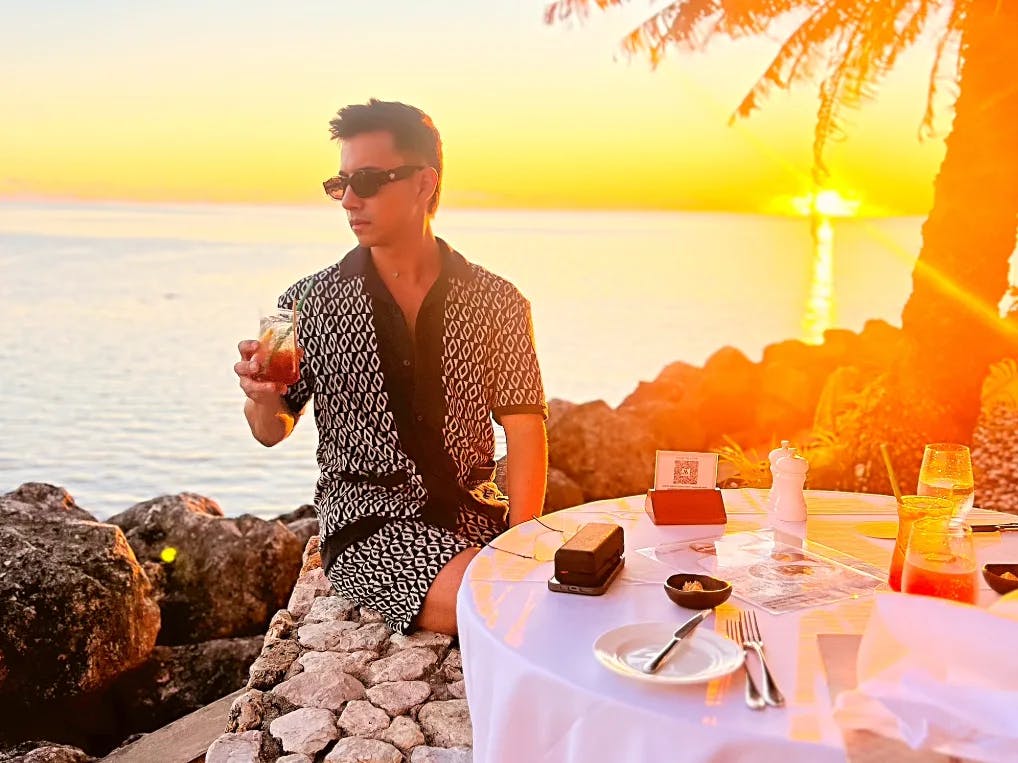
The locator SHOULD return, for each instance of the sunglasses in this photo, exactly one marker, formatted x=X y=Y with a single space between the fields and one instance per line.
x=366 y=183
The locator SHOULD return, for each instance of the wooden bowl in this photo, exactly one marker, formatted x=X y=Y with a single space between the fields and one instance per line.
x=992 y=573
x=714 y=591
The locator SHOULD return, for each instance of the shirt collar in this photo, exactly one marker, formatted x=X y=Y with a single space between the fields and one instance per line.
x=358 y=263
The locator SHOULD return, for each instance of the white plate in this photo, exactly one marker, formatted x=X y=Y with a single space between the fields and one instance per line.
x=704 y=656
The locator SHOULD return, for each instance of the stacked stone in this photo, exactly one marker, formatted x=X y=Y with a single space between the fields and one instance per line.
x=334 y=684
x=995 y=458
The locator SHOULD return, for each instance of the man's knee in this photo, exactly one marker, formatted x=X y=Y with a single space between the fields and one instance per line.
x=439 y=610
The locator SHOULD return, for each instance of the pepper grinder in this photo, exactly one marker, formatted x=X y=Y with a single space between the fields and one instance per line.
x=773 y=457
x=789 y=479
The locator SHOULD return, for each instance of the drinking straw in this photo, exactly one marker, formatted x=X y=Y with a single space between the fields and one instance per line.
x=890 y=472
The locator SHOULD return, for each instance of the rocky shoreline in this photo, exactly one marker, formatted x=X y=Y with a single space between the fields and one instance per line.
x=113 y=629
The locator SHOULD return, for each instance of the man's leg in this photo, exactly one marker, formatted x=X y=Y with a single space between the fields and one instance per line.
x=439 y=611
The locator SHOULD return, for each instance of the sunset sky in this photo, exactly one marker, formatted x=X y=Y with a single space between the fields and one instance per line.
x=229 y=102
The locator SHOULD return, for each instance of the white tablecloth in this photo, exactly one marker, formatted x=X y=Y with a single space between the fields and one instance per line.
x=537 y=693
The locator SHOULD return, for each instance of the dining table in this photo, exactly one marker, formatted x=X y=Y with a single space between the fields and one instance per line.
x=537 y=692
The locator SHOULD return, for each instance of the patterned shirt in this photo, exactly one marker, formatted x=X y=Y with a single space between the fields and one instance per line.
x=404 y=423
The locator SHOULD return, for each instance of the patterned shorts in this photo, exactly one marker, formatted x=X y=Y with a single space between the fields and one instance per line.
x=392 y=569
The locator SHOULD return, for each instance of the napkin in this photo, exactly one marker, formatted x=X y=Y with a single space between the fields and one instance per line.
x=938 y=675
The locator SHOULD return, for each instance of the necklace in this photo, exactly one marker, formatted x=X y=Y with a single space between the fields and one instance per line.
x=396 y=274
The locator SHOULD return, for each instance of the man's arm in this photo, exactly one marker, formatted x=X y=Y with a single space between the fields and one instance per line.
x=270 y=419
x=526 y=464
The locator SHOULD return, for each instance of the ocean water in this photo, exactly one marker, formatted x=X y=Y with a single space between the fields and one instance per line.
x=122 y=322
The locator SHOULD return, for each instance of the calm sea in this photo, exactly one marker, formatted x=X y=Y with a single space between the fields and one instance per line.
x=123 y=320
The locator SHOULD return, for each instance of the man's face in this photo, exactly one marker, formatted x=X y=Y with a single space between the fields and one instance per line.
x=399 y=208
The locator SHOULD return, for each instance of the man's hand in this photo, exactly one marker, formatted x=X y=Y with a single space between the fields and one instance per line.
x=246 y=369
x=270 y=419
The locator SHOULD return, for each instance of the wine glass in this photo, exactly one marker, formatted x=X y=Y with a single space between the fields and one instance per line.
x=941 y=560
x=947 y=473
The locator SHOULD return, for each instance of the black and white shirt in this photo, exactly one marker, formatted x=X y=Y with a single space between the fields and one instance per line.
x=405 y=423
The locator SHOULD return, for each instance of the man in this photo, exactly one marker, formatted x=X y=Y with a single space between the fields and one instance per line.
x=409 y=350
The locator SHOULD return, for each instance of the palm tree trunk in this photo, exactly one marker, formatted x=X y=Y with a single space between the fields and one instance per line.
x=951 y=321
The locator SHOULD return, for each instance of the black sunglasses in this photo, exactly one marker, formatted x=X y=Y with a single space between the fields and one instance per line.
x=366 y=183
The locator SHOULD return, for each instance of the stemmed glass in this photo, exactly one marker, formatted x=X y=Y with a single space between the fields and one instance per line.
x=946 y=472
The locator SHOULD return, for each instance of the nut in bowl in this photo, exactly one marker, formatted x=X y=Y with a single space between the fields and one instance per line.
x=697 y=591
x=1003 y=578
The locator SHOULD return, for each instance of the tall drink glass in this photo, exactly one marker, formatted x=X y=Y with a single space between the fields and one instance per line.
x=947 y=473
x=941 y=561
x=911 y=509
x=277 y=356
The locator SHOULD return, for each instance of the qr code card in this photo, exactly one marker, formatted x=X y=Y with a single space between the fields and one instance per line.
x=676 y=469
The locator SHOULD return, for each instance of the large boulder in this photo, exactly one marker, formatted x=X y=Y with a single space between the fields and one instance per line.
x=177 y=680
x=670 y=386
x=607 y=453
x=724 y=397
x=562 y=491
x=77 y=608
x=216 y=577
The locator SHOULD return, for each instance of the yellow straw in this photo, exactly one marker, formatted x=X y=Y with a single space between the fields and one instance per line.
x=890 y=471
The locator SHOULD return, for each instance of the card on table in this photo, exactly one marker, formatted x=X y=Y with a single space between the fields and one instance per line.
x=677 y=469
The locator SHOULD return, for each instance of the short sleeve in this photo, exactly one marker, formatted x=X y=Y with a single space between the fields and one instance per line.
x=516 y=373
x=298 y=393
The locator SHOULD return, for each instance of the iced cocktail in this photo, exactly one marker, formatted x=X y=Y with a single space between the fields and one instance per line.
x=277 y=356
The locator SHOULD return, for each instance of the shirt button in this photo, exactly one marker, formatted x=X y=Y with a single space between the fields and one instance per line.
x=419 y=417
x=406 y=363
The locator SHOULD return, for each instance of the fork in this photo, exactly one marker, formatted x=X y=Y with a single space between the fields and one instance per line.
x=750 y=630
x=754 y=700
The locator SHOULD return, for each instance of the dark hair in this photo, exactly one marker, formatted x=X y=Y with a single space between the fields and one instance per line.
x=412 y=132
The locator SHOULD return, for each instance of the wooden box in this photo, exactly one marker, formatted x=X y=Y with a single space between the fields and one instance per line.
x=686 y=507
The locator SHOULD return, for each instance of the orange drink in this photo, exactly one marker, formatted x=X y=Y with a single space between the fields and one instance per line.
x=941 y=561
x=912 y=508
x=277 y=349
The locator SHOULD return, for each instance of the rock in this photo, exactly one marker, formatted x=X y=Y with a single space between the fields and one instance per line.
x=246 y=712
x=361 y=719
x=306 y=511
x=441 y=755
x=557 y=408
x=458 y=689
x=399 y=697
x=562 y=491
x=235 y=748
x=328 y=690
x=304 y=529
x=371 y=637
x=51 y=499
x=403 y=733
x=228 y=575
x=78 y=610
x=294 y=758
x=272 y=664
x=363 y=751
x=723 y=399
x=451 y=668
x=672 y=426
x=275 y=706
x=446 y=724
x=353 y=663
x=369 y=615
x=45 y=752
x=880 y=345
x=670 y=386
x=307 y=730
x=607 y=453
x=281 y=626
x=788 y=399
x=324 y=636
x=406 y=665
x=177 y=680
x=328 y=608
x=438 y=642
x=310 y=585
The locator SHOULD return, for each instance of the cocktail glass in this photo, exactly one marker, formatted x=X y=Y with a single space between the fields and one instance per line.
x=941 y=560
x=277 y=355
x=911 y=509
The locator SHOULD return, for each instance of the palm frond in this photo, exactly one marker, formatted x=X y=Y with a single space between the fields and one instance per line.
x=947 y=48
x=1001 y=385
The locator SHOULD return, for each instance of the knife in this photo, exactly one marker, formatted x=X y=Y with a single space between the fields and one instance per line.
x=684 y=630
x=1007 y=526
